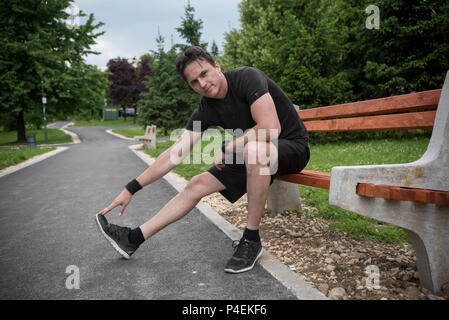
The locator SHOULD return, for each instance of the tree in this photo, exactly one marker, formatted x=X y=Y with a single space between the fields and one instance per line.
x=409 y=52
x=169 y=101
x=190 y=28
x=214 y=49
x=37 y=46
x=296 y=43
x=321 y=52
x=127 y=81
x=123 y=88
x=80 y=91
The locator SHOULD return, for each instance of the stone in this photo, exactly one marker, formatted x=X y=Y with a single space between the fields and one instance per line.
x=330 y=267
x=324 y=288
x=412 y=293
x=337 y=293
x=328 y=260
x=283 y=196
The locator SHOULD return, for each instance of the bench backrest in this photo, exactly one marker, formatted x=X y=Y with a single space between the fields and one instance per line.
x=408 y=111
x=150 y=129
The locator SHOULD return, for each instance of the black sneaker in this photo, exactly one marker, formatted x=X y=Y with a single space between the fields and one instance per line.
x=117 y=236
x=245 y=256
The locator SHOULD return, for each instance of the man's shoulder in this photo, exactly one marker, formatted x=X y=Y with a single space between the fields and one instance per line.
x=242 y=70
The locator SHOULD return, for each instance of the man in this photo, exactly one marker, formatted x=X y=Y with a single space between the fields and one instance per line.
x=274 y=143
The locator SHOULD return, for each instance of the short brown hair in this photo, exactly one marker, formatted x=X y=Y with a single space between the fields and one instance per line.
x=189 y=55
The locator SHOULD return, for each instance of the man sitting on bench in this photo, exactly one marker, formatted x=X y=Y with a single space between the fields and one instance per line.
x=243 y=98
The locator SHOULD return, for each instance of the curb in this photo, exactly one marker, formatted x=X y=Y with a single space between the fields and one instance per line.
x=31 y=161
x=291 y=280
x=118 y=135
x=74 y=136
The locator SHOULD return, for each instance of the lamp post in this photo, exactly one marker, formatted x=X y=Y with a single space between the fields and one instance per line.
x=44 y=102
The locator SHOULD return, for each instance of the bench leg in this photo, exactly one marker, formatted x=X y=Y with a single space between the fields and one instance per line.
x=150 y=145
x=283 y=196
x=432 y=259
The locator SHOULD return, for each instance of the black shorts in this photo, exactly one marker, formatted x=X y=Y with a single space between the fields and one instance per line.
x=293 y=156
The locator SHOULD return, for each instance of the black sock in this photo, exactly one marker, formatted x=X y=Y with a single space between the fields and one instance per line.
x=136 y=236
x=252 y=235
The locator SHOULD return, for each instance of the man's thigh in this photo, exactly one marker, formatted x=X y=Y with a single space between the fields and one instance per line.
x=293 y=156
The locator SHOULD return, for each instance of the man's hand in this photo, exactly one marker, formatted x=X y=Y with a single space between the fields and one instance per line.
x=219 y=159
x=123 y=199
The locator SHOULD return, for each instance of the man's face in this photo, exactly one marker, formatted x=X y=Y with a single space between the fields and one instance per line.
x=205 y=79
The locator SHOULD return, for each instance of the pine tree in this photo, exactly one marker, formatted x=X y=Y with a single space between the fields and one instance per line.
x=190 y=28
x=214 y=49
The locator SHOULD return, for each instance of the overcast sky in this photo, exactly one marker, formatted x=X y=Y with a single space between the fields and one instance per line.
x=132 y=25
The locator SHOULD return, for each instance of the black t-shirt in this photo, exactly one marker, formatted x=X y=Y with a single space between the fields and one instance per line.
x=246 y=85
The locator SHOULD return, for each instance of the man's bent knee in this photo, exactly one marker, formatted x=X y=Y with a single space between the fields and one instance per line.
x=202 y=185
x=261 y=155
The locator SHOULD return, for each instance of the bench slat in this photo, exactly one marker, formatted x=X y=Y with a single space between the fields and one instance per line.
x=309 y=178
x=406 y=102
x=403 y=194
x=405 y=121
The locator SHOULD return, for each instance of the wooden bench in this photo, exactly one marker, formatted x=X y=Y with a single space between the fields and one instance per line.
x=149 y=139
x=414 y=196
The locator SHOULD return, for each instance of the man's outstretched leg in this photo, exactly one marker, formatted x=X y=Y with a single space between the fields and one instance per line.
x=258 y=178
x=127 y=241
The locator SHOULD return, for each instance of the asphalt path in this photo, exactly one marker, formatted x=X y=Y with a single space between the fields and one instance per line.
x=49 y=242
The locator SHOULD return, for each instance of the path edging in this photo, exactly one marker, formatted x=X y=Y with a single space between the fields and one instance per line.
x=31 y=161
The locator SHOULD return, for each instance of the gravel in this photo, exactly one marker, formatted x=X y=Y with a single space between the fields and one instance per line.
x=335 y=263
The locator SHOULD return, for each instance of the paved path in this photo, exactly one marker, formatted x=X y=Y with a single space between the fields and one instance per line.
x=47 y=224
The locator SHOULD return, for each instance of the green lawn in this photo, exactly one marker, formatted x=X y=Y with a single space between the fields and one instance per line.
x=101 y=123
x=185 y=170
x=131 y=133
x=10 y=157
x=55 y=136
x=323 y=158
x=383 y=151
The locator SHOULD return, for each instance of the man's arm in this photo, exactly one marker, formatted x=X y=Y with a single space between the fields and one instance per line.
x=170 y=158
x=264 y=114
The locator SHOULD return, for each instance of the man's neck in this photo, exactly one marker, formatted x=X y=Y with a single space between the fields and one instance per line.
x=223 y=87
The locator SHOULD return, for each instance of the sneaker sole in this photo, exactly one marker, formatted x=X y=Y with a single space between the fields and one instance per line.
x=247 y=268
x=111 y=241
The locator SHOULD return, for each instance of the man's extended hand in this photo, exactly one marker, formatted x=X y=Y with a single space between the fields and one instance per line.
x=123 y=199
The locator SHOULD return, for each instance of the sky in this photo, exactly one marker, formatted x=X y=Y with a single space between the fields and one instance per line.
x=132 y=25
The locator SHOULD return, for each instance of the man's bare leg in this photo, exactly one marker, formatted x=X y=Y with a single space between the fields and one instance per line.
x=258 y=180
x=198 y=187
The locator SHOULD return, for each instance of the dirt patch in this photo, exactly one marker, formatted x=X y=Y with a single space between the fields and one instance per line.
x=335 y=263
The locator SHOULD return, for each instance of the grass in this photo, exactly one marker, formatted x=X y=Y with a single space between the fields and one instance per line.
x=55 y=136
x=383 y=151
x=187 y=171
x=10 y=157
x=130 y=133
x=326 y=156
x=101 y=123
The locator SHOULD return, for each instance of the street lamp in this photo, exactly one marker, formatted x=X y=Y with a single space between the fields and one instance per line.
x=44 y=102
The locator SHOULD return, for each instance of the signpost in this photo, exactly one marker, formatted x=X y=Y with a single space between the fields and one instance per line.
x=44 y=102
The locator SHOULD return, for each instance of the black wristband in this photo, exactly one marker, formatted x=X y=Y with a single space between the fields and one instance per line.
x=133 y=186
